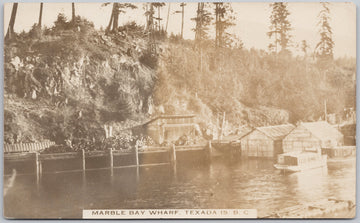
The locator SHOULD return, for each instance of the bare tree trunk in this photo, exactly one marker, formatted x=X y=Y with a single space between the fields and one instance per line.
x=198 y=15
x=182 y=20
x=151 y=18
x=167 y=18
x=10 y=31
x=73 y=12
x=40 y=14
x=216 y=24
x=115 y=17
x=108 y=28
x=159 y=25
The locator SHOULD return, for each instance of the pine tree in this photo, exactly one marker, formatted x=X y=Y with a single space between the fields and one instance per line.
x=223 y=20
x=203 y=19
x=40 y=15
x=158 y=5
x=73 y=16
x=117 y=9
x=280 y=27
x=324 y=49
x=150 y=26
x=304 y=46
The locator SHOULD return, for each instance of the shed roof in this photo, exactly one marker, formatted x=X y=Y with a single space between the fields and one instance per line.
x=276 y=131
x=170 y=117
x=322 y=130
x=241 y=132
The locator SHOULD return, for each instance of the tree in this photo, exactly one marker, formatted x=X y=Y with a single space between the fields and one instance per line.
x=182 y=5
x=149 y=13
x=10 y=31
x=116 y=10
x=158 y=5
x=280 y=26
x=203 y=19
x=223 y=20
x=73 y=17
x=304 y=46
x=324 y=49
x=40 y=15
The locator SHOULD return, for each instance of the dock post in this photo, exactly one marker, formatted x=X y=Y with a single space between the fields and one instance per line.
x=173 y=155
x=37 y=164
x=173 y=159
x=40 y=167
x=137 y=162
x=209 y=151
x=111 y=158
x=83 y=159
x=137 y=155
x=111 y=161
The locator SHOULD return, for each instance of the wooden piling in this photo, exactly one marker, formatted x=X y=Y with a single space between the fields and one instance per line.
x=40 y=167
x=209 y=150
x=173 y=155
x=137 y=155
x=83 y=159
x=111 y=158
x=37 y=164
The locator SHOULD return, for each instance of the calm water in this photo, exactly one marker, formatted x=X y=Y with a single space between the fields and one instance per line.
x=221 y=184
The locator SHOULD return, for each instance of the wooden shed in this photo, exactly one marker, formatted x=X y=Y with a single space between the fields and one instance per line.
x=168 y=127
x=312 y=135
x=264 y=141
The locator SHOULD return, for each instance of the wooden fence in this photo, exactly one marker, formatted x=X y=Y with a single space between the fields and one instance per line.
x=27 y=147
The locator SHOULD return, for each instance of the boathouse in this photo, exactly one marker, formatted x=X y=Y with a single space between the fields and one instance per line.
x=312 y=135
x=168 y=128
x=264 y=141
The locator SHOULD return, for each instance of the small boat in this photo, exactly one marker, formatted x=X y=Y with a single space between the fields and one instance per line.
x=300 y=161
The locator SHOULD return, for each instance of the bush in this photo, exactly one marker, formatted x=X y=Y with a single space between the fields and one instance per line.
x=149 y=59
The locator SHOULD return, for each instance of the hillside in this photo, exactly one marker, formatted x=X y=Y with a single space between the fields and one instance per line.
x=71 y=82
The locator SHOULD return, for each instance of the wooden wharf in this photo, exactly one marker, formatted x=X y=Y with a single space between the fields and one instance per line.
x=169 y=156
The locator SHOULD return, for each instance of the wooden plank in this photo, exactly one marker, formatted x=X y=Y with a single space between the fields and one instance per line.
x=155 y=151
x=59 y=156
x=190 y=149
x=18 y=156
x=121 y=153
x=96 y=153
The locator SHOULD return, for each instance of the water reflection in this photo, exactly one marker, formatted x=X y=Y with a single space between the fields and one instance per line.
x=221 y=184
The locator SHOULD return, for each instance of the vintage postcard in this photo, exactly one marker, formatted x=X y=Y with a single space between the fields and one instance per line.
x=179 y=110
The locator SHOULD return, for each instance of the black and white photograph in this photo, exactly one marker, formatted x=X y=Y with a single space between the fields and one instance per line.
x=179 y=110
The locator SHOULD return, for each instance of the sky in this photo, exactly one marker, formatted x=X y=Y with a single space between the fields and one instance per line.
x=252 y=21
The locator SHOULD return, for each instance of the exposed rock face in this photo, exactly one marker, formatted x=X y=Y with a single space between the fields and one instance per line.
x=68 y=85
